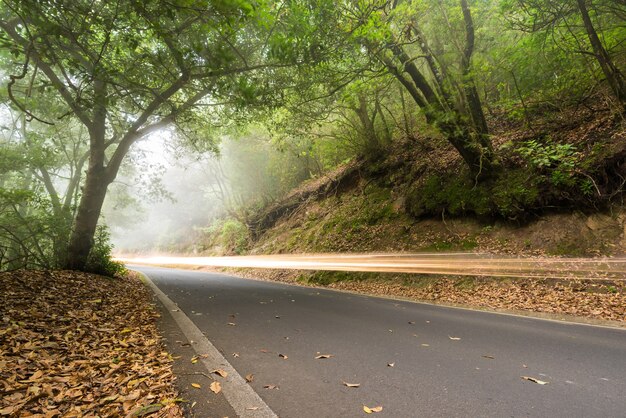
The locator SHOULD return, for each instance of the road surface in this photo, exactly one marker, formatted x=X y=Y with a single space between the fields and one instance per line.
x=414 y=360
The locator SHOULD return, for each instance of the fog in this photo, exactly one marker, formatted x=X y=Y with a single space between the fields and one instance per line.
x=159 y=198
x=167 y=194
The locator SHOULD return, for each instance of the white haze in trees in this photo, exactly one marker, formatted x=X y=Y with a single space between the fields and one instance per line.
x=152 y=208
x=165 y=195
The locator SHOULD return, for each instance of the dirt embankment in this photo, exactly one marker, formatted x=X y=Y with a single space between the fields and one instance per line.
x=415 y=198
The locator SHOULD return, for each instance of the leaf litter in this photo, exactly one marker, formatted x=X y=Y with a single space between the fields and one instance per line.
x=323 y=356
x=534 y=380
x=369 y=410
x=75 y=344
x=216 y=387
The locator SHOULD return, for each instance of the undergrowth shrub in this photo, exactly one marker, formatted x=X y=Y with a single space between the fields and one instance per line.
x=509 y=196
x=231 y=235
x=100 y=260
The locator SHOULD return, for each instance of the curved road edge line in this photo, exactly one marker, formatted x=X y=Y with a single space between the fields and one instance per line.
x=237 y=392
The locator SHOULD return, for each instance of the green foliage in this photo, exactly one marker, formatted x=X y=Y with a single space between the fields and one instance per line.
x=559 y=160
x=100 y=260
x=32 y=235
x=230 y=235
x=509 y=196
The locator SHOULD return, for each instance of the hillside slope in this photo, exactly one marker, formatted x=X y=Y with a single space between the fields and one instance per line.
x=559 y=192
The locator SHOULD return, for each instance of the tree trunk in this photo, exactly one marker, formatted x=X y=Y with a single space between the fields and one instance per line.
x=474 y=104
x=611 y=72
x=478 y=156
x=87 y=216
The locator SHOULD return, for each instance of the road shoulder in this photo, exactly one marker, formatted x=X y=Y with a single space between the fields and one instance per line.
x=196 y=363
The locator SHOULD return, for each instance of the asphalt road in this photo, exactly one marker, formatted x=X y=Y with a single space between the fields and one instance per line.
x=447 y=362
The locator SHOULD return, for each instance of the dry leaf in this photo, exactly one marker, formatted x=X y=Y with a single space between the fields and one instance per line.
x=220 y=372
x=489 y=357
x=194 y=359
x=411 y=322
x=235 y=355
x=232 y=324
x=270 y=387
x=323 y=356
x=80 y=356
x=532 y=379
x=283 y=356
x=249 y=377
x=369 y=410
x=215 y=387
x=454 y=338
x=196 y=385
x=351 y=385
x=425 y=345
x=391 y=364
x=252 y=408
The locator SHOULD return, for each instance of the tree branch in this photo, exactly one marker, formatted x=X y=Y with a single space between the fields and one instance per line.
x=48 y=71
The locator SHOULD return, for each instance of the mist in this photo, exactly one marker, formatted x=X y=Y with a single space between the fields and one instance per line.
x=167 y=196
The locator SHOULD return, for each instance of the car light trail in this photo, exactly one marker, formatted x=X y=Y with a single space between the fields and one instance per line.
x=454 y=264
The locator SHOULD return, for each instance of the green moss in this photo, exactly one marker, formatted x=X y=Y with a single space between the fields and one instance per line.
x=509 y=195
x=465 y=244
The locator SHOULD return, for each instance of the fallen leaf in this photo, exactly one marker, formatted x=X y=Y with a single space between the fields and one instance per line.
x=194 y=359
x=411 y=322
x=196 y=385
x=8 y=410
x=391 y=364
x=252 y=408
x=249 y=377
x=270 y=387
x=425 y=345
x=351 y=385
x=323 y=356
x=215 y=387
x=235 y=355
x=232 y=324
x=532 y=379
x=146 y=410
x=283 y=356
x=489 y=357
x=263 y=350
x=369 y=410
x=454 y=338
x=220 y=372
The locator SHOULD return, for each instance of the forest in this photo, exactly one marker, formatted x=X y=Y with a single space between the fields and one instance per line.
x=492 y=109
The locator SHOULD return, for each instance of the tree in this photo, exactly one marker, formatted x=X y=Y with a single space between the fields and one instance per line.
x=550 y=15
x=126 y=69
x=392 y=32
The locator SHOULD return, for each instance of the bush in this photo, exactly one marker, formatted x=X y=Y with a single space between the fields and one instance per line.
x=231 y=235
x=99 y=260
x=509 y=196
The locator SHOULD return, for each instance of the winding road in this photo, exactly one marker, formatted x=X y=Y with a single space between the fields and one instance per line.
x=413 y=359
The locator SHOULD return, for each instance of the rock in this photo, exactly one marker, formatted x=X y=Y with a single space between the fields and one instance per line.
x=598 y=222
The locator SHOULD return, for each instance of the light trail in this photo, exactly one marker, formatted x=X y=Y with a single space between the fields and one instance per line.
x=453 y=264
